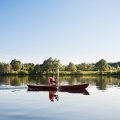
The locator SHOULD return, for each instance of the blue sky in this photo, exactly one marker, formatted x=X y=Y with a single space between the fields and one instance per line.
x=69 y=30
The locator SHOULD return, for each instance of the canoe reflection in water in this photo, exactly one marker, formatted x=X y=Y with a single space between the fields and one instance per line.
x=64 y=88
x=53 y=96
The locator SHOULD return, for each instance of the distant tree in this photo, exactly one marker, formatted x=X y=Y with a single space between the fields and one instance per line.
x=47 y=65
x=114 y=66
x=29 y=67
x=1 y=67
x=5 y=68
x=56 y=65
x=50 y=65
x=71 y=67
x=62 y=68
x=16 y=65
x=91 y=67
x=37 y=69
x=86 y=67
x=82 y=67
x=102 y=65
x=118 y=63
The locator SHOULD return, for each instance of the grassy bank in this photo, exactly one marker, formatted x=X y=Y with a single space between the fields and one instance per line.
x=90 y=73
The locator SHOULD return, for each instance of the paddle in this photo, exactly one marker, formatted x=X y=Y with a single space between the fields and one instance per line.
x=58 y=78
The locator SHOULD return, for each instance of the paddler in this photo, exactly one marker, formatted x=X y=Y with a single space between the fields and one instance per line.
x=52 y=80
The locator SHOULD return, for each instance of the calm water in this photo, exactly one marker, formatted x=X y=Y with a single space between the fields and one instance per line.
x=102 y=103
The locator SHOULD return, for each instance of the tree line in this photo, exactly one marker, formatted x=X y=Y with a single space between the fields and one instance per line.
x=51 y=66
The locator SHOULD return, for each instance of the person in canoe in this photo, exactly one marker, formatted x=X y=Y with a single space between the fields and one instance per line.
x=53 y=96
x=52 y=80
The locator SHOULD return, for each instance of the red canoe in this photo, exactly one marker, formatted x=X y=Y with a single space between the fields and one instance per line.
x=60 y=88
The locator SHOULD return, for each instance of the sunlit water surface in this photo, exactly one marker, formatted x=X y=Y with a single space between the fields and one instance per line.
x=103 y=103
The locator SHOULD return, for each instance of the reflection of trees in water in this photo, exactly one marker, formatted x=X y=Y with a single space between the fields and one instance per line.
x=100 y=81
x=77 y=79
x=38 y=80
x=18 y=80
x=22 y=80
x=4 y=80
x=13 y=80
x=67 y=80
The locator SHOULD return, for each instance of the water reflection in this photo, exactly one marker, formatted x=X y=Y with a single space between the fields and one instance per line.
x=35 y=106
x=14 y=83
x=101 y=82
x=53 y=96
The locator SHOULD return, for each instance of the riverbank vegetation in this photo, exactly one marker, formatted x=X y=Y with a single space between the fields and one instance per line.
x=51 y=66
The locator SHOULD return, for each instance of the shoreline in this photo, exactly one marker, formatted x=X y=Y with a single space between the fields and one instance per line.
x=67 y=73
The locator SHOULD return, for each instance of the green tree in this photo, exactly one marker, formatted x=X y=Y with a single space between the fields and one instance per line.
x=37 y=69
x=102 y=65
x=56 y=65
x=50 y=65
x=5 y=68
x=86 y=67
x=1 y=67
x=71 y=67
x=29 y=67
x=47 y=65
x=114 y=66
x=62 y=68
x=16 y=65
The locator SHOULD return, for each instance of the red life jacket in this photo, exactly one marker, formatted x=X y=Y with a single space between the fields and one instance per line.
x=51 y=81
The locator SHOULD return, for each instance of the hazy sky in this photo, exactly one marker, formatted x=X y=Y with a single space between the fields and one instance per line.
x=69 y=30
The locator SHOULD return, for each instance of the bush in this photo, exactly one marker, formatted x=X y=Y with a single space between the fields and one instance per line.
x=65 y=73
x=22 y=72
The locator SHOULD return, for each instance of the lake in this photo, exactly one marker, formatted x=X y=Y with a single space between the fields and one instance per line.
x=102 y=103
